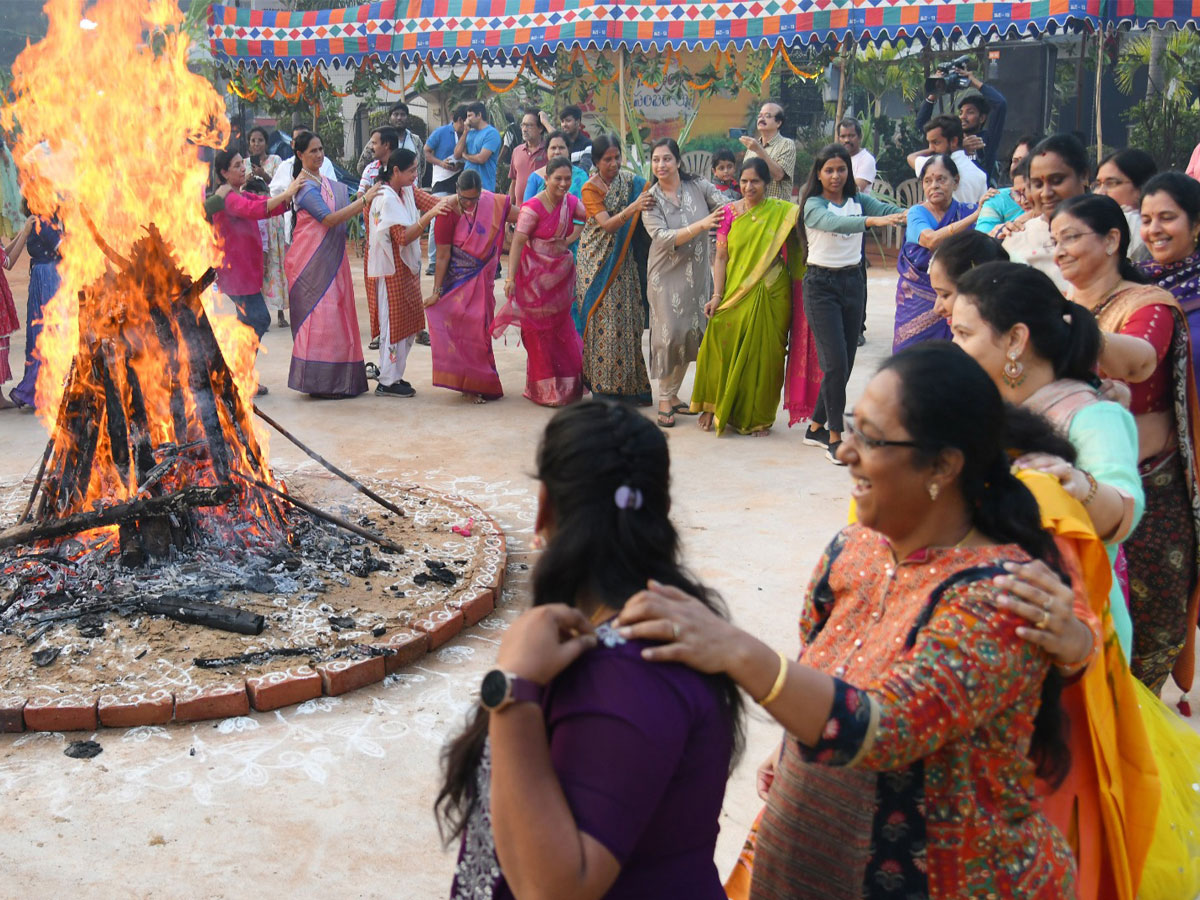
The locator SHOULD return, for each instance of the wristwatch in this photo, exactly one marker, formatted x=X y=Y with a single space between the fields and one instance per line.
x=500 y=689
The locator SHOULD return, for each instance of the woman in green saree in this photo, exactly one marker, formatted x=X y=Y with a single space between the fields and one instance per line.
x=610 y=285
x=740 y=370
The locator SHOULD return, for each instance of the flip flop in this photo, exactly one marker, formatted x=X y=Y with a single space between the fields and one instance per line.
x=684 y=409
x=666 y=419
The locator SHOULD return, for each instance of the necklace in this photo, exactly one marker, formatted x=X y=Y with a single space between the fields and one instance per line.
x=1109 y=297
x=966 y=537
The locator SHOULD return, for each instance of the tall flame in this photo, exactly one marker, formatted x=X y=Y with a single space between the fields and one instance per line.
x=110 y=122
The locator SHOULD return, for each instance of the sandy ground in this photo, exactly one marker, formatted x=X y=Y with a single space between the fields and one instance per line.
x=334 y=797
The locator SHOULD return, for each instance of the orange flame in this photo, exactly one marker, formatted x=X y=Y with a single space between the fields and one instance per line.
x=110 y=121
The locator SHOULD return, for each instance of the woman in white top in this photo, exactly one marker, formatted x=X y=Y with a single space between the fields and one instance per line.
x=261 y=164
x=1121 y=175
x=835 y=215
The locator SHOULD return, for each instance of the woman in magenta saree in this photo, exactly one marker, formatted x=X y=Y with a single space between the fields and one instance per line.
x=461 y=310
x=327 y=360
x=541 y=290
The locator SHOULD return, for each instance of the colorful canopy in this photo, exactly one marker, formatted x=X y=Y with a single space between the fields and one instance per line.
x=401 y=30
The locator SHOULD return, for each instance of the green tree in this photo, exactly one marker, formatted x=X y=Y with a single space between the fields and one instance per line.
x=1166 y=121
x=879 y=71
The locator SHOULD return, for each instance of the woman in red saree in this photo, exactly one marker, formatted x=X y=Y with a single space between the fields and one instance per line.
x=462 y=307
x=541 y=290
x=327 y=359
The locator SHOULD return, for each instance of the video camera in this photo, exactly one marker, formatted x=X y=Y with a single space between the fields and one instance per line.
x=947 y=79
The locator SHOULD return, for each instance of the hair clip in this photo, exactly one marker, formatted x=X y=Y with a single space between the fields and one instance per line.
x=627 y=497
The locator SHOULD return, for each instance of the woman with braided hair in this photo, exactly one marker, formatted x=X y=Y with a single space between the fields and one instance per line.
x=624 y=762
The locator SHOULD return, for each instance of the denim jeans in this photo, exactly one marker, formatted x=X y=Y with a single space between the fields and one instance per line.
x=252 y=310
x=833 y=305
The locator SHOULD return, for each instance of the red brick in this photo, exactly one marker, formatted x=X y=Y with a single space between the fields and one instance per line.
x=440 y=624
x=278 y=689
x=12 y=714
x=476 y=606
x=214 y=701
x=130 y=710
x=55 y=712
x=344 y=675
x=409 y=646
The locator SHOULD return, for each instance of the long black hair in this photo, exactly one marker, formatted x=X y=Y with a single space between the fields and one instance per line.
x=1061 y=332
x=960 y=253
x=1103 y=214
x=812 y=187
x=299 y=144
x=599 y=550
x=947 y=401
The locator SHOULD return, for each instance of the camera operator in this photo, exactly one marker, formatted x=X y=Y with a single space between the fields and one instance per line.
x=982 y=114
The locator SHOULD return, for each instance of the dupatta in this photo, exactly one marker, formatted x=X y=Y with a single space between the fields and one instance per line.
x=602 y=254
x=477 y=239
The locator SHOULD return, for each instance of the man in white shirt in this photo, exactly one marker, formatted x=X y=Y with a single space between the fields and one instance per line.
x=850 y=137
x=945 y=135
x=283 y=177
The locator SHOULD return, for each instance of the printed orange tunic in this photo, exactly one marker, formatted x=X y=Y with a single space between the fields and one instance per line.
x=921 y=784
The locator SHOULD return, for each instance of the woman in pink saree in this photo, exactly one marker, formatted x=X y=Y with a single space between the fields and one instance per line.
x=462 y=307
x=327 y=360
x=541 y=290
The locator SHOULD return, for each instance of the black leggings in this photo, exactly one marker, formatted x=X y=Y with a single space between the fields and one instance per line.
x=833 y=305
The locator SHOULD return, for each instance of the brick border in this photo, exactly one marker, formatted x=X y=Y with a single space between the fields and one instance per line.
x=46 y=710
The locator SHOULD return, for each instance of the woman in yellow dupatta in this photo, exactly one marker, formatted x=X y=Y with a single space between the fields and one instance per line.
x=740 y=368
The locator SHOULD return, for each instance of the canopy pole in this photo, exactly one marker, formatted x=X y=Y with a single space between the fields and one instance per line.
x=621 y=95
x=841 y=100
x=1099 y=71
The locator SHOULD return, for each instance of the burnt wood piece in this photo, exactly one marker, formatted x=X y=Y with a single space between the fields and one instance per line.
x=390 y=546
x=117 y=514
x=37 y=483
x=114 y=414
x=201 y=385
x=210 y=615
x=312 y=454
x=259 y=656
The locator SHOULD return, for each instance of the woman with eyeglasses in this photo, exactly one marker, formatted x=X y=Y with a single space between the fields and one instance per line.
x=1121 y=175
x=1147 y=346
x=916 y=717
x=930 y=223
x=540 y=289
x=459 y=312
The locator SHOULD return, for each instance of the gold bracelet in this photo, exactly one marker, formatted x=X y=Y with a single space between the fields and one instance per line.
x=777 y=687
x=1092 y=487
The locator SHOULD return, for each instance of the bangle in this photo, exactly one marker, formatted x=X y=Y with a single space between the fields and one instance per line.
x=777 y=687
x=1092 y=487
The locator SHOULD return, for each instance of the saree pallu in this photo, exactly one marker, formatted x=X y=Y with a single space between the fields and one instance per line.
x=327 y=350
x=740 y=368
x=611 y=311
x=802 y=384
x=541 y=307
x=915 y=319
x=460 y=323
x=1154 y=570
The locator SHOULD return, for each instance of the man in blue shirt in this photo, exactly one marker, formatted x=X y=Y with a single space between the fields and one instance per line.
x=479 y=145
x=439 y=153
x=982 y=115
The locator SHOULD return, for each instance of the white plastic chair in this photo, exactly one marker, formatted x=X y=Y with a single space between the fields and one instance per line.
x=698 y=162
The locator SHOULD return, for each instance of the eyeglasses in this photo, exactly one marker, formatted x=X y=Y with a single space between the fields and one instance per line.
x=1112 y=183
x=870 y=442
x=467 y=202
x=1064 y=240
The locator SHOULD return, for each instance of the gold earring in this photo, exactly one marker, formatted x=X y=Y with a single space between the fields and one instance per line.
x=1014 y=370
x=934 y=490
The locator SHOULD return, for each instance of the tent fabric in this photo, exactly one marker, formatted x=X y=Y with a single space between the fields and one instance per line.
x=445 y=30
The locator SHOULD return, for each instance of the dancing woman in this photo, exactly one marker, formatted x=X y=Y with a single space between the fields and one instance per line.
x=740 y=368
x=610 y=286
x=462 y=306
x=939 y=217
x=42 y=247
x=8 y=310
x=327 y=360
x=540 y=290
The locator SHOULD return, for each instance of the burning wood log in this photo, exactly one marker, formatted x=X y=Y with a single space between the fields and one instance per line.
x=210 y=615
x=120 y=513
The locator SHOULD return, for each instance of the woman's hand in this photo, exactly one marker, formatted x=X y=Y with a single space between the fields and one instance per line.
x=509 y=288
x=445 y=206
x=223 y=191
x=544 y=641
x=712 y=220
x=294 y=187
x=1035 y=593
x=766 y=775
x=710 y=308
x=371 y=193
x=988 y=195
x=1116 y=391
x=1073 y=480
x=432 y=298
x=899 y=218
x=690 y=632
x=641 y=203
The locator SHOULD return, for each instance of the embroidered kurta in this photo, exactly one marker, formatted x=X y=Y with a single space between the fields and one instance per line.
x=921 y=784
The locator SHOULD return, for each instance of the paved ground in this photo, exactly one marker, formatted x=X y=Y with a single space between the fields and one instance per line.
x=334 y=797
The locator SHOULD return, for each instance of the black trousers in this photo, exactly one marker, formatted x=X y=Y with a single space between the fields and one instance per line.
x=833 y=305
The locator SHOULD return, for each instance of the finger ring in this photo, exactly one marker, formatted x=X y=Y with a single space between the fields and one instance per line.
x=1044 y=619
x=675 y=629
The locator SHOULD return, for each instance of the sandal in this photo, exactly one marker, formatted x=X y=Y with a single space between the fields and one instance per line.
x=684 y=409
x=666 y=419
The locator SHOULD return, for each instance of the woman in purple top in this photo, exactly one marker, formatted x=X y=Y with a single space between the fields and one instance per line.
x=588 y=772
x=235 y=216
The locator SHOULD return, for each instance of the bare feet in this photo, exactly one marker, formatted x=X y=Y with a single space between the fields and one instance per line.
x=477 y=399
x=705 y=421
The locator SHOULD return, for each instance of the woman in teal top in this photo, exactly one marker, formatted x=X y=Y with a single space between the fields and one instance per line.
x=1040 y=349
x=556 y=145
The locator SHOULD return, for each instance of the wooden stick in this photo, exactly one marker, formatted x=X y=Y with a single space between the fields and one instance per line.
x=37 y=483
x=383 y=542
x=346 y=477
x=112 y=515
